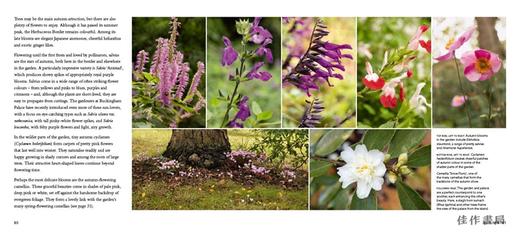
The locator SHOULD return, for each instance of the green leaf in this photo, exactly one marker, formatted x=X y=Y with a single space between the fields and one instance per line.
x=266 y=115
x=340 y=201
x=150 y=77
x=326 y=180
x=319 y=167
x=369 y=203
x=331 y=141
x=409 y=198
x=328 y=194
x=377 y=139
x=389 y=124
x=256 y=108
x=404 y=140
x=420 y=157
x=428 y=118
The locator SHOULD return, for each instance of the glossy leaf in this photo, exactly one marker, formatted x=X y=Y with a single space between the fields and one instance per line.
x=420 y=157
x=331 y=141
x=403 y=140
x=369 y=203
x=377 y=139
x=409 y=198
x=319 y=167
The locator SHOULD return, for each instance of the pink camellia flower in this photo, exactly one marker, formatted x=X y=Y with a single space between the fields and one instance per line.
x=372 y=80
x=480 y=65
x=458 y=100
x=453 y=45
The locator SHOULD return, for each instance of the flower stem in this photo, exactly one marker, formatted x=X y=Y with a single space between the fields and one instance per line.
x=466 y=97
x=237 y=83
x=490 y=102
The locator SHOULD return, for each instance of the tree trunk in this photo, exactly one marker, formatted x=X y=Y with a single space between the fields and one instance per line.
x=488 y=37
x=203 y=148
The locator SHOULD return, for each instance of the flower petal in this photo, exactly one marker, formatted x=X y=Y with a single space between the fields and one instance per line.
x=361 y=149
x=468 y=58
x=345 y=176
x=376 y=156
x=363 y=189
x=496 y=63
x=471 y=74
x=444 y=57
x=377 y=183
x=347 y=154
x=481 y=53
x=380 y=169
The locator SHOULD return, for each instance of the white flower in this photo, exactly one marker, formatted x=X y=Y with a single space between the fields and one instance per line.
x=417 y=101
x=366 y=168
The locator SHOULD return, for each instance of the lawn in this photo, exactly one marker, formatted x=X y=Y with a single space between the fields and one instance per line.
x=156 y=189
x=217 y=195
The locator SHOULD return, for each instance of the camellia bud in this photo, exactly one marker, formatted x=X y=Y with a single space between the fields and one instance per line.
x=392 y=177
x=243 y=26
x=387 y=157
x=403 y=159
x=405 y=170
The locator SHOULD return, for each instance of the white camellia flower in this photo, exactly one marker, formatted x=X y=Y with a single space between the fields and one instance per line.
x=366 y=168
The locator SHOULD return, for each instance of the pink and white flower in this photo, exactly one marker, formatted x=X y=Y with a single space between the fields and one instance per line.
x=388 y=96
x=480 y=65
x=414 y=41
x=453 y=45
x=458 y=100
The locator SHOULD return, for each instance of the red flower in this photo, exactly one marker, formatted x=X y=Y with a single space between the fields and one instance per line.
x=388 y=101
x=372 y=80
x=426 y=45
x=402 y=93
x=409 y=73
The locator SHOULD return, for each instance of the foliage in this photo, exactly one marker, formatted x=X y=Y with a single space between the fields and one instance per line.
x=296 y=39
x=285 y=146
x=163 y=94
x=389 y=46
x=236 y=97
x=406 y=160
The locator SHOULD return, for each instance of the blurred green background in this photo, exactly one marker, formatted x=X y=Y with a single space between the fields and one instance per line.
x=266 y=94
x=191 y=42
x=490 y=35
x=375 y=36
x=340 y=100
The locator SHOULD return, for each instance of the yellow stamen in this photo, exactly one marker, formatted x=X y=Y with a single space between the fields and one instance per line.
x=450 y=42
x=482 y=65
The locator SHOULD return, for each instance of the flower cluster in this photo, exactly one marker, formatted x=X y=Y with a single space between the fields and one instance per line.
x=320 y=61
x=399 y=65
x=311 y=117
x=171 y=164
x=172 y=75
x=255 y=35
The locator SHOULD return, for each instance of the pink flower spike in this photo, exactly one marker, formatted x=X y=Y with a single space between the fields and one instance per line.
x=480 y=65
x=458 y=100
x=454 y=45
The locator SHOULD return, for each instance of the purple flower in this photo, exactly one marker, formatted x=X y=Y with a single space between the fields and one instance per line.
x=141 y=60
x=254 y=73
x=261 y=51
x=229 y=55
x=243 y=109
x=195 y=81
x=242 y=114
x=259 y=34
x=183 y=80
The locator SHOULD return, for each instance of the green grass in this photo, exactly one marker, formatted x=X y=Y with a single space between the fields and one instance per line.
x=149 y=142
x=212 y=195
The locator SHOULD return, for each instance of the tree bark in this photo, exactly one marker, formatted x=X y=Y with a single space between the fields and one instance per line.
x=488 y=37
x=203 y=148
